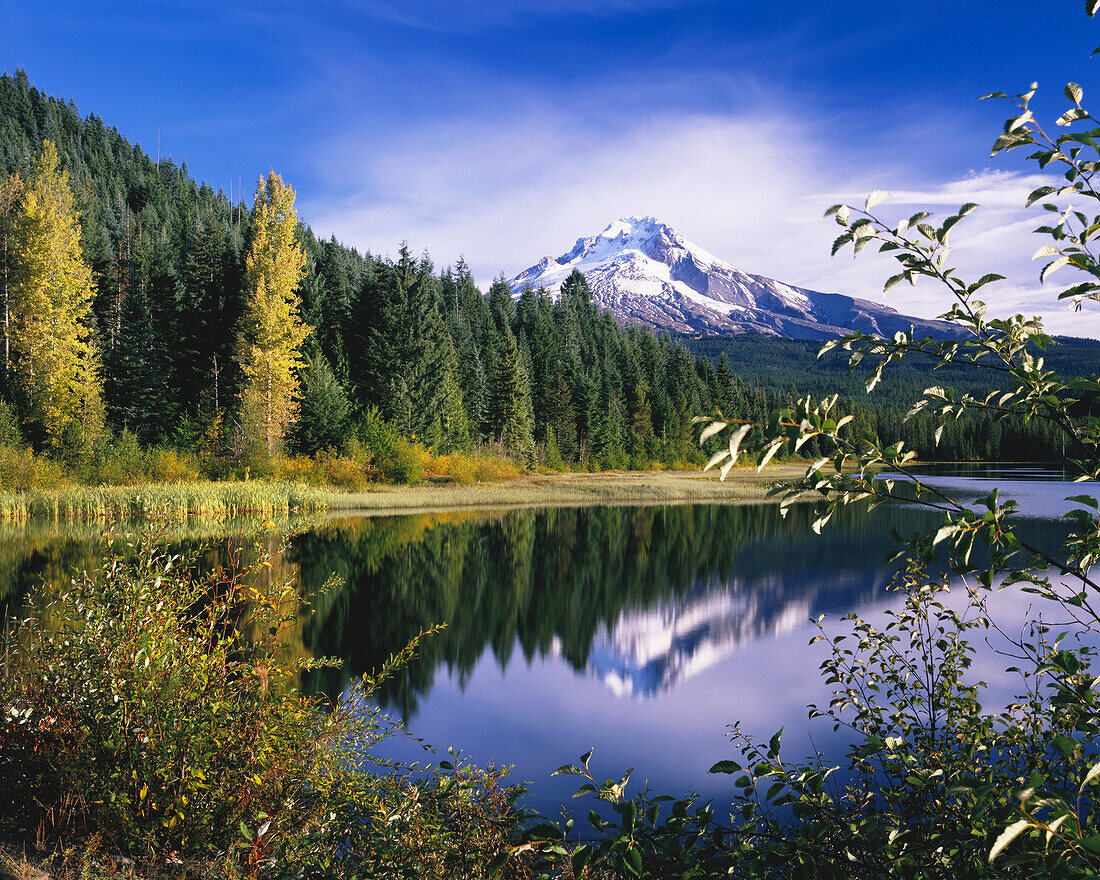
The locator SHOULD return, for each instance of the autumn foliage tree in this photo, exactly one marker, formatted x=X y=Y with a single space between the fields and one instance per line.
x=54 y=355
x=273 y=328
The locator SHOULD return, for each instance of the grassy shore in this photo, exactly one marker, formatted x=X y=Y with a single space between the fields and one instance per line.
x=270 y=499
x=741 y=486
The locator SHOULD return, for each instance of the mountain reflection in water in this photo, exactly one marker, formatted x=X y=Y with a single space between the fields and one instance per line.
x=639 y=597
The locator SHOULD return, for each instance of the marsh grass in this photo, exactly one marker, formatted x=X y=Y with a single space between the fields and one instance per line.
x=742 y=486
x=163 y=500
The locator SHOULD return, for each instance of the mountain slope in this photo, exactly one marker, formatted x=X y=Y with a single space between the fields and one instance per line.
x=647 y=273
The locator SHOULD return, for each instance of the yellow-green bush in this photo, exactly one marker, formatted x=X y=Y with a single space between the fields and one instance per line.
x=22 y=471
x=153 y=711
x=465 y=468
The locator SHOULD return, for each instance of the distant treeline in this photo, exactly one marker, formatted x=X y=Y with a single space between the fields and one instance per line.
x=789 y=368
x=396 y=345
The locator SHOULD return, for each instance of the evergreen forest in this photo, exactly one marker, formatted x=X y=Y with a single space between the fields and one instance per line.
x=180 y=332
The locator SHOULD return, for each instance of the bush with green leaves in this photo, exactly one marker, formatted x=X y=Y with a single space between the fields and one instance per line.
x=152 y=707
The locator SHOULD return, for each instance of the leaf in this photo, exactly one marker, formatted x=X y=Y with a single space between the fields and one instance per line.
x=1038 y=194
x=1052 y=267
x=710 y=430
x=1045 y=251
x=1053 y=826
x=725 y=767
x=1094 y=771
x=944 y=532
x=767 y=456
x=568 y=770
x=581 y=856
x=714 y=459
x=1074 y=93
x=1091 y=6
x=1014 y=830
x=1087 y=500
x=875 y=198
x=1070 y=116
x=773 y=744
x=735 y=441
x=1020 y=120
x=892 y=280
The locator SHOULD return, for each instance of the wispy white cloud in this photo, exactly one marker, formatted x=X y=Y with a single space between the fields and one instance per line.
x=750 y=189
x=469 y=15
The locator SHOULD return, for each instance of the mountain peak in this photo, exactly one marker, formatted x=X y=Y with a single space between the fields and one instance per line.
x=628 y=226
x=645 y=272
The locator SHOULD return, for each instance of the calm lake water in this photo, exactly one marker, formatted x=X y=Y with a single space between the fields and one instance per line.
x=641 y=631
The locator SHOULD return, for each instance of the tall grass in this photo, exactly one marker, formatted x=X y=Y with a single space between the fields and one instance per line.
x=172 y=500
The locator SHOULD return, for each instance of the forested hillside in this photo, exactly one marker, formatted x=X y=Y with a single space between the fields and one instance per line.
x=393 y=351
x=437 y=359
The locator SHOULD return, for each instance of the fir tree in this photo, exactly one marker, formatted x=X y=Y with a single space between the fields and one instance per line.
x=509 y=409
x=323 y=409
x=134 y=387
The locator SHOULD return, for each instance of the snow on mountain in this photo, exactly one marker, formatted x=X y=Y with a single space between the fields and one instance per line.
x=647 y=273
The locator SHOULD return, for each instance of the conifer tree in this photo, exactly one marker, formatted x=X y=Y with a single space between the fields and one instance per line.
x=11 y=195
x=400 y=361
x=454 y=426
x=510 y=408
x=273 y=328
x=54 y=357
x=134 y=387
x=323 y=413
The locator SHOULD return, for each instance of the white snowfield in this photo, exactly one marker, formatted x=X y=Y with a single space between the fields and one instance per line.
x=647 y=273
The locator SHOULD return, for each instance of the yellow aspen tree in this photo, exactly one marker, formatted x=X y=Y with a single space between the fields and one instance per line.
x=273 y=328
x=54 y=356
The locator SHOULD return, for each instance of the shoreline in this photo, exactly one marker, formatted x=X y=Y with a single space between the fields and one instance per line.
x=183 y=501
x=614 y=488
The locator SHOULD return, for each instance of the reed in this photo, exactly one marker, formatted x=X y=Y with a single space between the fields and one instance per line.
x=171 y=500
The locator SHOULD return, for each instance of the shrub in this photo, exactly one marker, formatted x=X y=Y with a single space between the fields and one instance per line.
x=464 y=469
x=407 y=463
x=377 y=435
x=153 y=710
x=23 y=471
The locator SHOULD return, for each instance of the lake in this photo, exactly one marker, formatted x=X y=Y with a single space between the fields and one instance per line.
x=640 y=631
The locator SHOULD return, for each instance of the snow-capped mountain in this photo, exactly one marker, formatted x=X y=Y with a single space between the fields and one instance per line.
x=647 y=273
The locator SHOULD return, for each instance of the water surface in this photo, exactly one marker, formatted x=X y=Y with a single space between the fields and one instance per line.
x=642 y=631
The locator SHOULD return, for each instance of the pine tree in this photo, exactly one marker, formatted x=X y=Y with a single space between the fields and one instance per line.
x=135 y=387
x=323 y=412
x=11 y=195
x=510 y=409
x=54 y=356
x=273 y=328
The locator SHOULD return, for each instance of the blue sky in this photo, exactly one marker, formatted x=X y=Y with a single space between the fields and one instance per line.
x=505 y=130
